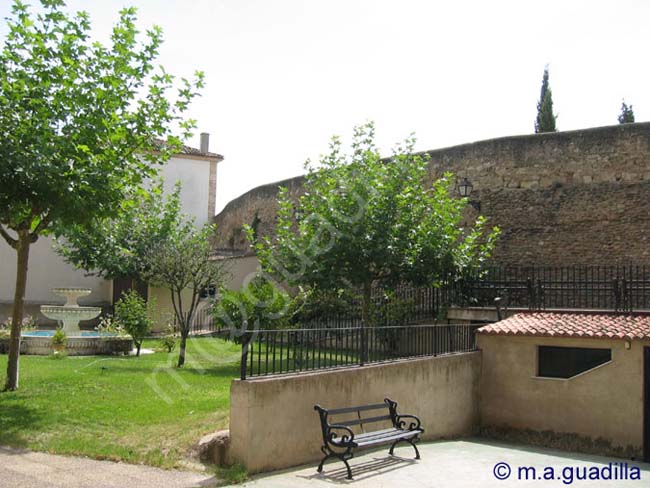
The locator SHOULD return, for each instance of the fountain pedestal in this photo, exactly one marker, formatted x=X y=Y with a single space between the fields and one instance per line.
x=71 y=313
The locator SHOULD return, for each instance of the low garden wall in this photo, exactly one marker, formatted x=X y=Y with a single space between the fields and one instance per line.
x=273 y=424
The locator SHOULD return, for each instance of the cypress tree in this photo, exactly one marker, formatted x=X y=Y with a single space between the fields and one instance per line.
x=627 y=114
x=545 y=121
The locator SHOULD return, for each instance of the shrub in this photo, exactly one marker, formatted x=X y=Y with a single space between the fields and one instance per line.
x=59 y=339
x=259 y=305
x=169 y=340
x=132 y=314
x=5 y=327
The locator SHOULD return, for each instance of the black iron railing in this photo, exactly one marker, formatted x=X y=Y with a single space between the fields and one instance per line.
x=616 y=288
x=269 y=352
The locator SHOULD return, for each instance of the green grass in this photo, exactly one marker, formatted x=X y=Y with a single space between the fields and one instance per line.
x=138 y=410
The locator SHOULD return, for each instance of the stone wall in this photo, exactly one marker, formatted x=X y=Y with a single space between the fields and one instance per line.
x=578 y=197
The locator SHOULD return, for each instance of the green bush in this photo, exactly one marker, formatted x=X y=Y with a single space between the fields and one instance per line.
x=5 y=327
x=259 y=305
x=169 y=340
x=59 y=339
x=132 y=314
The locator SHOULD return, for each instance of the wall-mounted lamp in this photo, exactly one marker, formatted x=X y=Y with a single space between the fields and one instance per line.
x=465 y=188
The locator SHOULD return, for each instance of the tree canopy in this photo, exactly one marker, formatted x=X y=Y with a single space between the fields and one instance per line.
x=545 y=121
x=364 y=221
x=80 y=125
x=117 y=246
x=627 y=114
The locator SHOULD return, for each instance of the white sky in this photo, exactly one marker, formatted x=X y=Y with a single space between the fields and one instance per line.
x=284 y=75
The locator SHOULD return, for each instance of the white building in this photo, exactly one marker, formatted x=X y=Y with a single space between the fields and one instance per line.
x=197 y=171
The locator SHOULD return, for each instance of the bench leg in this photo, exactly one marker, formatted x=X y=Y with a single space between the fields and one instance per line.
x=340 y=457
x=410 y=441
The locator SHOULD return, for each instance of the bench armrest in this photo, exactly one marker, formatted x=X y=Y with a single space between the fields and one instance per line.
x=413 y=424
x=347 y=438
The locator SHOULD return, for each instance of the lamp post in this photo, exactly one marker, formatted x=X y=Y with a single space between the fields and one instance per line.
x=465 y=188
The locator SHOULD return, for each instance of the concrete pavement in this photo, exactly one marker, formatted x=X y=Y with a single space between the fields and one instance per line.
x=463 y=464
x=26 y=469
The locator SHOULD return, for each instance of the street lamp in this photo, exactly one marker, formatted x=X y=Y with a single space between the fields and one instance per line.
x=465 y=188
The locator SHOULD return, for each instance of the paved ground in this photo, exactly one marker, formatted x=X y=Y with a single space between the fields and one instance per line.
x=445 y=464
x=25 y=469
x=469 y=463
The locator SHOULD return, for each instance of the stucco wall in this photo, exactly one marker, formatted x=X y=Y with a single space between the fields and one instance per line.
x=273 y=424
x=240 y=271
x=565 y=198
x=604 y=404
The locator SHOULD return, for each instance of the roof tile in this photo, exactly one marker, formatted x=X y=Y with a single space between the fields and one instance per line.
x=567 y=324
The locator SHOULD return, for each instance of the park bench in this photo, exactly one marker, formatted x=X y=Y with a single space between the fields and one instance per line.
x=339 y=440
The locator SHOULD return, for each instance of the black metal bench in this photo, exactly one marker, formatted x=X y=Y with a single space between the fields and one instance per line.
x=339 y=439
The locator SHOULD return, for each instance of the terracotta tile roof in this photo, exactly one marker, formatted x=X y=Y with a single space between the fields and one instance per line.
x=190 y=150
x=588 y=325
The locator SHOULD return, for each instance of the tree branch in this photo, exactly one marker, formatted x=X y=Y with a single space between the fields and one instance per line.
x=10 y=240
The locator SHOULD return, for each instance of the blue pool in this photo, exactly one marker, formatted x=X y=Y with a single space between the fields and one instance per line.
x=50 y=333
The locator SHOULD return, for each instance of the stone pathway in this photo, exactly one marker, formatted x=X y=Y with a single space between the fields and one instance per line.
x=26 y=469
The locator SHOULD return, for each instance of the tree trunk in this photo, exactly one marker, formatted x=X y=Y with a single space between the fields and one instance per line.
x=365 y=320
x=138 y=345
x=22 y=251
x=181 y=355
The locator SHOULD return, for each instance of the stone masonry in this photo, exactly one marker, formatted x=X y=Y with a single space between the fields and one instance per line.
x=566 y=198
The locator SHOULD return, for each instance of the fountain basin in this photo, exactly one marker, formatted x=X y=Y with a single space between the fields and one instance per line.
x=81 y=344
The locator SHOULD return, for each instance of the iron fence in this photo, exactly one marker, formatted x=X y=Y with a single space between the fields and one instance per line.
x=268 y=352
x=617 y=288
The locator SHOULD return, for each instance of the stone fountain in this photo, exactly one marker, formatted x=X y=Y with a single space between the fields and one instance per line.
x=71 y=312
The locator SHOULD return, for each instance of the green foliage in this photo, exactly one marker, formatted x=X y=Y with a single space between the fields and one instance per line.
x=57 y=355
x=117 y=246
x=365 y=222
x=83 y=125
x=80 y=120
x=132 y=315
x=183 y=264
x=232 y=475
x=627 y=114
x=260 y=305
x=59 y=339
x=545 y=121
x=169 y=340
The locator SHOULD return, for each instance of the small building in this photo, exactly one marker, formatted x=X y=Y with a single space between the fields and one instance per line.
x=578 y=381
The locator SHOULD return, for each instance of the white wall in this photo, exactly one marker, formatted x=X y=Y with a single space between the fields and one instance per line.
x=47 y=269
x=195 y=191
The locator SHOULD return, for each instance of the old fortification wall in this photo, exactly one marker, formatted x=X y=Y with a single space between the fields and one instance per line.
x=578 y=197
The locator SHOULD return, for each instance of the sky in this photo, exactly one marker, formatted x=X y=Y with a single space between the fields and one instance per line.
x=283 y=76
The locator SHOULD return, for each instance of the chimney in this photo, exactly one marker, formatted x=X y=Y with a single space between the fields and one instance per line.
x=205 y=142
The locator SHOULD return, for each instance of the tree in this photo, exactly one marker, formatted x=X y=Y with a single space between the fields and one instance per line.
x=183 y=264
x=132 y=315
x=117 y=246
x=364 y=221
x=545 y=121
x=78 y=125
x=627 y=114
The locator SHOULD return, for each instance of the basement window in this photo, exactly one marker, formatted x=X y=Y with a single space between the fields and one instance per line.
x=566 y=362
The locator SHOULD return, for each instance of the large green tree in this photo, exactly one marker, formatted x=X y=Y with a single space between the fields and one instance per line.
x=117 y=246
x=364 y=221
x=545 y=121
x=78 y=123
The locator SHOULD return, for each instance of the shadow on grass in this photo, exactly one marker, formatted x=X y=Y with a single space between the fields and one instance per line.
x=15 y=420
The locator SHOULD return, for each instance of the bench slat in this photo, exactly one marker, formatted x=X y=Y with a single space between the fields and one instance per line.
x=363 y=421
x=406 y=434
x=361 y=408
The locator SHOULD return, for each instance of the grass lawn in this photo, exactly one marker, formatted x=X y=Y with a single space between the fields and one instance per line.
x=138 y=410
